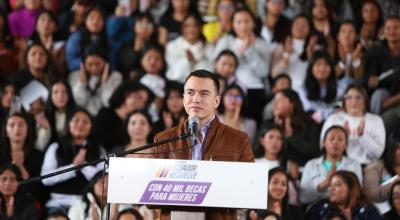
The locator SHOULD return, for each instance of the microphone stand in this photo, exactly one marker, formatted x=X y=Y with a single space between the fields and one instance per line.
x=106 y=160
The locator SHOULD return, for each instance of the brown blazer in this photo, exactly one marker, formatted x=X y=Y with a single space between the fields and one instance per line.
x=222 y=143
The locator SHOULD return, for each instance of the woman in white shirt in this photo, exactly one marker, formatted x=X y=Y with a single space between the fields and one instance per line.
x=188 y=52
x=254 y=59
x=318 y=172
x=366 y=131
x=291 y=55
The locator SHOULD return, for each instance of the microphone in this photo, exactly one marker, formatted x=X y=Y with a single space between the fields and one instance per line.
x=193 y=128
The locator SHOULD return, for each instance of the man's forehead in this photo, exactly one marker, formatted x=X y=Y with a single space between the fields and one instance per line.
x=200 y=84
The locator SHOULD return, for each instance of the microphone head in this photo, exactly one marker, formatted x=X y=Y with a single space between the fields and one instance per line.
x=193 y=119
x=193 y=125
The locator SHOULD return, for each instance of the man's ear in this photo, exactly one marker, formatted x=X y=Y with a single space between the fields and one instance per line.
x=217 y=101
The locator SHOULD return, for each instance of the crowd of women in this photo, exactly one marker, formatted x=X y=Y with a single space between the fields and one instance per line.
x=314 y=84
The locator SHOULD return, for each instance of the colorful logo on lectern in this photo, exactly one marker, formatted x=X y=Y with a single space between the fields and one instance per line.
x=178 y=170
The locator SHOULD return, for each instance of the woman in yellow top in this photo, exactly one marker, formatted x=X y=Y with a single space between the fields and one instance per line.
x=216 y=29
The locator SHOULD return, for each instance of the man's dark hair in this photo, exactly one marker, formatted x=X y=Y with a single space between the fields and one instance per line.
x=205 y=74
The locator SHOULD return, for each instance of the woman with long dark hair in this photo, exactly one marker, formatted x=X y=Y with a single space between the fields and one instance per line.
x=14 y=202
x=59 y=107
x=300 y=131
x=129 y=54
x=319 y=91
x=93 y=32
x=173 y=112
x=370 y=23
x=278 y=195
x=292 y=54
x=46 y=33
x=109 y=123
x=137 y=133
x=171 y=21
x=74 y=149
x=37 y=65
x=17 y=147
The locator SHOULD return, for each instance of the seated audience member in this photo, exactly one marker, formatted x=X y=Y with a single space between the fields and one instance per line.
x=138 y=128
x=94 y=83
x=279 y=83
x=318 y=172
x=46 y=33
x=129 y=214
x=254 y=58
x=278 y=193
x=171 y=21
x=152 y=75
x=300 y=132
x=93 y=32
x=349 y=57
x=173 y=112
x=225 y=67
x=109 y=123
x=394 y=201
x=319 y=92
x=74 y=149
x=233 y=111
x=14 y=202
x=272 y=148
x=365 y=131
x=381 y=171
x=346 y=197
x=37 y=66
x=17 y=147
x=129 y=54
x=22 y=21
x=188 y=52
x=214 y=30
x=370 y=24
x=291 y=55
x=59 y=107
x=380 y=59
x=323 y=24
x=276 y=26
x=72 y=16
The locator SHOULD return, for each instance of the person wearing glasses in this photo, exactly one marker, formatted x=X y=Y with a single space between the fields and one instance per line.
x=233 y=111
x=365 y=130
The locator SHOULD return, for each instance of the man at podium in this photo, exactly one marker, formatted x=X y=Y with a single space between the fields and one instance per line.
x=214 y=141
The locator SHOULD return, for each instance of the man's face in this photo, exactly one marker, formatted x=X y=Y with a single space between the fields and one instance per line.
x=200 y=98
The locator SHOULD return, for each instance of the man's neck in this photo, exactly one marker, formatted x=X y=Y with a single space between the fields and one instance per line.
x=205 y=121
